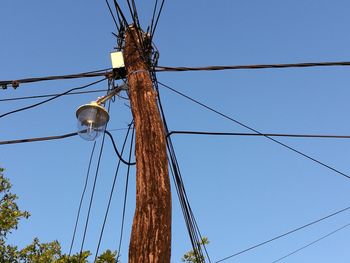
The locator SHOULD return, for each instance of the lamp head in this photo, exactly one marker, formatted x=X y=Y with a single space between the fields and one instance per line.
x=92 y=120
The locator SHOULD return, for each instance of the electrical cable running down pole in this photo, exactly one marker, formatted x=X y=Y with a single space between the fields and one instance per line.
x=150 y=240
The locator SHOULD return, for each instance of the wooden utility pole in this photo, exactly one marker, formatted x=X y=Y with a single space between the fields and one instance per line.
x=151 y=230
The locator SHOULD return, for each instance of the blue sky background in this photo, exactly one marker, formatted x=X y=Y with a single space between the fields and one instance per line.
x=243 y=190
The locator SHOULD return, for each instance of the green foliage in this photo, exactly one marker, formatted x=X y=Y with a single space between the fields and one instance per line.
x=51 y=252
x=107 y=257
x=192 y=256
x=36 y=252
x=10 y=214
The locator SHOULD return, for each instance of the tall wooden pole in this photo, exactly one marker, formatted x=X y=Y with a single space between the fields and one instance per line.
x=151 y=230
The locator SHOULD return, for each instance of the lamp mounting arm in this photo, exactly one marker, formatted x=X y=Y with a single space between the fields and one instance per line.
x=111 y=94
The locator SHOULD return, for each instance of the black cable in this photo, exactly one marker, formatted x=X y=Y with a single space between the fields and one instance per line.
x=158 y=16
x=111 y=195
x=153 y=15
x=57 y=137
x=52 y=98
x=125 y=198
x=283 y=235
x=91 y=197
x=51 y=95
x=311 y=243
x=113 y=17
x=116 y=149
x=107 y=72
x=133 y=13
x=256 y=131
x=195 y=237
x=120 y=12
x=258 y=66
x=191 y=223
x=319 y=136
x=82 y=198
x=91 y=74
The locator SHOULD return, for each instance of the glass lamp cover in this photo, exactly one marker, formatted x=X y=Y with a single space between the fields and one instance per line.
x=92 y=121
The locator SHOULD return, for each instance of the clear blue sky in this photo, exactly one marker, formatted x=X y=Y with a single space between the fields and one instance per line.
x=243 y=190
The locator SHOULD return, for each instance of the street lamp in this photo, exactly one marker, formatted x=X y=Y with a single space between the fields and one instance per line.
x=93 y=117
x=92 y=120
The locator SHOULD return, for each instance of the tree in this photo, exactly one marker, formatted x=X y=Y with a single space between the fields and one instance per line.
x=36 y=252
x=192 y=257
x=9 y=211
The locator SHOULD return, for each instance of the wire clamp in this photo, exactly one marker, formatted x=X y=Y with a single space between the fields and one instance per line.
x=15 y=84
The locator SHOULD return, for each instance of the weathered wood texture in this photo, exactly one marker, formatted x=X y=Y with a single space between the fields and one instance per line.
x=151 y=230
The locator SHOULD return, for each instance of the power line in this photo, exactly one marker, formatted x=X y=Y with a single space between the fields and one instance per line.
x=125 y=198
x=120 y=12
x=319 y=136
x=311 y=243
x=91 y=74
x=158 y=16
x=283 y=235
x=111 y=195
x=51 y=95
x=153 y=15
x=52 y=98
x=256 y=131
x=257 y=66
x=92 y=197
x=57 y=137
x=48 y=138
x=135 y=18
x=191 y=222
x=116 y=150
x=111 y=12
x=108 y=73
x=82 y=198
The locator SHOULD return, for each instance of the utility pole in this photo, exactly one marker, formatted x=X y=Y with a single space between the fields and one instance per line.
x=151 y=230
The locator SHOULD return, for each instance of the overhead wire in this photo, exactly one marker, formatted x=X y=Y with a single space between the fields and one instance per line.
x=48 y=138
x=82 y=198
x=50 y=99
x=116 y=149
x=108 y=72
x=120 y=13
x=256 y=131
x=113 y=17
x=91 y=74
x=284 y=234
x=190 y=221
x=135 y=18
x=51 y=95
x=153 y=15
x=125 y=198
x=157 y=20
x=91 y=197
x=257 y=66
x=318 y=136
x=126 y=26
x=57 y=137
x=111 y=195
x=135 y=12
x=311 y=243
